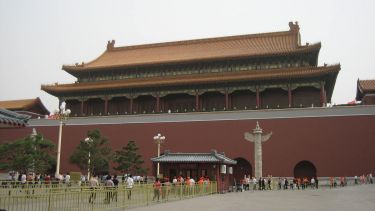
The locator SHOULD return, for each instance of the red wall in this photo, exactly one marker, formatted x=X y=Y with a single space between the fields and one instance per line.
x=335 y=145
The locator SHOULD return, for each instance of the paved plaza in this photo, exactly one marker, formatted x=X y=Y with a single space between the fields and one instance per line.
x=360 y=197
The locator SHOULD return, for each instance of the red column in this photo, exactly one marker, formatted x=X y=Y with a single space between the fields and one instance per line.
x=323 y=97
x=226 y=100
x=258 y=97
x=157 y=104
x=131 y=106
x=197 y=102
x=105 y=106
x=289 y=96
x=82 y=106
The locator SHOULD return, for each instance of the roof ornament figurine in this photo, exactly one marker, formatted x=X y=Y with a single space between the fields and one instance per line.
x=294 y=26
x=110 y=45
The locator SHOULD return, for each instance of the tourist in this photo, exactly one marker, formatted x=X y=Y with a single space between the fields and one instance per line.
x=108 y=186
x=370 y=176
x=299 y=183
x=254 y=183
x=157 y=189
x=93 y=184
x=342 y=181
x=166 y=188
x=286 y=183
x=269 y=181
x=207 y=183
x=200 y=184
x=67 y=179
x=312 y=183
x=115 y=183
x=129 y=185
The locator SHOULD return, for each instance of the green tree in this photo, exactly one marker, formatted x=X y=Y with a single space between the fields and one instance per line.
x=30 y=154
x=128 y=161
x=100 y=153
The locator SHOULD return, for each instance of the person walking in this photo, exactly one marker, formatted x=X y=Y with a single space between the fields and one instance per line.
x=108 y=186
x=157 y=189
x=115 y=182
x=93 y=184
x=129 y=186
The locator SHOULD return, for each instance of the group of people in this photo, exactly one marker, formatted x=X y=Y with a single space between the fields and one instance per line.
x=268 y=183
x=179 y=186
x=111 y=184
x=364 y=179
x=34 y=179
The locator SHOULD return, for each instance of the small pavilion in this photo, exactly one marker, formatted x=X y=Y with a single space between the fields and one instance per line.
x=214 y=165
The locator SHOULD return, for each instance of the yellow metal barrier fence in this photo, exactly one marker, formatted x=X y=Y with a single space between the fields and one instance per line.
x=42 y=197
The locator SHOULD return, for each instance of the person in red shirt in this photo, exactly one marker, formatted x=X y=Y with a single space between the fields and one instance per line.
x=157 y=189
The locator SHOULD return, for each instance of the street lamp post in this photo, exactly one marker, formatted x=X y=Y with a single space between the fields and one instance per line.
x=88 y=140
x=159 y=139
x=33 y=136
x=62 y=115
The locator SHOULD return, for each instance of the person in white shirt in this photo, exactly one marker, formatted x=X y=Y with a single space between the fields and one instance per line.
x=67 y=178
x=254 y=183
x=312 y=183
x=23 y=178
x=93 y=183
x=129 y=185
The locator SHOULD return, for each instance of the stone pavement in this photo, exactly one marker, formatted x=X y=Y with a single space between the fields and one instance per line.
x=358 y=198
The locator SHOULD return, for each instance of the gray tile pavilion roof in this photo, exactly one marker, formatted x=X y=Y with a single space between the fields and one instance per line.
x=12 y=119
x=180 y=157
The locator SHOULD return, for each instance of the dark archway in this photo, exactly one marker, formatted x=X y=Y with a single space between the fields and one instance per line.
x=243 y=167
x=305 y=169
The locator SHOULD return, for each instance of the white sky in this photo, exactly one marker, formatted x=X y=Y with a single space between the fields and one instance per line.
x=37 y=37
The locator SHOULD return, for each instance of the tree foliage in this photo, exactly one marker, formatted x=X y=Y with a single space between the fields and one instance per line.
x=128 y=161
x=100 y=153
x=30 y=154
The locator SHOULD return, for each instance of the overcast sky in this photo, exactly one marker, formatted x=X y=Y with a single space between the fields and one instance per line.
x=38 y=36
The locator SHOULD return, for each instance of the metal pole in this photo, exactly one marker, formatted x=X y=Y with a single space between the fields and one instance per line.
x=57 y=174
x=158 y=165
x=88 y=168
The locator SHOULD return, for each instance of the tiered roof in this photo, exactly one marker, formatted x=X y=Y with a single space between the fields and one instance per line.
x=365 y=87
x=232 y=47
x=212 y=49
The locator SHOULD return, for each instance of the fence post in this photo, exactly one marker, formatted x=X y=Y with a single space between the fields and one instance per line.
x=147 y=194
x=49 y=199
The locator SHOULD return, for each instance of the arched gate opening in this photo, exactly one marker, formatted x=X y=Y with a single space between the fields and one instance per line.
x=305 y=169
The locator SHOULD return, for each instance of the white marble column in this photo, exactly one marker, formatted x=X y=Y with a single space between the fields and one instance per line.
x=257 y=138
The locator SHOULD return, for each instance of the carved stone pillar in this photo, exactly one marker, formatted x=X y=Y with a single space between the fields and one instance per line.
x=257 y=138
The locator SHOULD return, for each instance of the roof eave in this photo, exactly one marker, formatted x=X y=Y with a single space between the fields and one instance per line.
x=78 y=69
x=51 y=89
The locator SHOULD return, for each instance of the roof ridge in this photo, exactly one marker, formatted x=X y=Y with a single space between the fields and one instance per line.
x=202 y=40
x=292 y=33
